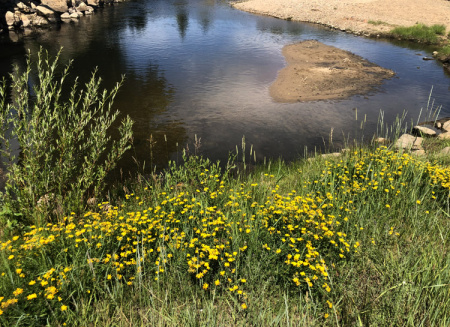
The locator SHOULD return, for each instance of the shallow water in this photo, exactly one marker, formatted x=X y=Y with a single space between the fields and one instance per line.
x=199 y=67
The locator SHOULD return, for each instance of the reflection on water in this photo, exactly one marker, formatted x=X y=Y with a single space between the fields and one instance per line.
x=199 y=67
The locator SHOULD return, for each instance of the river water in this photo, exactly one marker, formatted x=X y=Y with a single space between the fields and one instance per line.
x=201 y=68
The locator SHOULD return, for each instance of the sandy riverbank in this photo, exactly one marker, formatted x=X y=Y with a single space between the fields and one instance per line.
x=355 y=16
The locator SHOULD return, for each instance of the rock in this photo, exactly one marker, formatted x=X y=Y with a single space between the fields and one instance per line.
x=26 y=22
x=92 y=3
x=331 y=155
x=438 y=125
x=56 y=5
x=381 y=141
x=435 y=53
x=409 y=142
x=23 y=7
x=75 y=3
x=82 y=7
x=418 y=153
x=425 y=131
x=444 y=136
x=89 y=12
x=445 y=151
x=48 y=13
x=446 y=126
x=65 y=15
x=9 y=17
x=74 y=15
x=40 y=21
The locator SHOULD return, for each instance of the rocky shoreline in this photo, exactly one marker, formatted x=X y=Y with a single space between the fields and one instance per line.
x=17 y=15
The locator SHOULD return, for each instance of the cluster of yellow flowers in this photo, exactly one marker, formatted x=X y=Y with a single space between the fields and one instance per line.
x=209 y=233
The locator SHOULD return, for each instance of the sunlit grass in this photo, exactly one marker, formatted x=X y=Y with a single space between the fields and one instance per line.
x=420 y=32
x=360 y=238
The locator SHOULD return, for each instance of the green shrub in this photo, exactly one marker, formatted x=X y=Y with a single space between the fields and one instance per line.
x=64 y=151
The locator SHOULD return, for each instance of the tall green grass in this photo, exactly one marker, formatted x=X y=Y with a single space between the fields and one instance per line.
x=420 y=33
x=375 y=220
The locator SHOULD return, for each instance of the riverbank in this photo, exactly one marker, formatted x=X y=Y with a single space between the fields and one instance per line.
x=364 y=17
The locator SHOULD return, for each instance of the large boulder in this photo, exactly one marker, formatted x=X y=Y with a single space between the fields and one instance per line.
x=56 y=5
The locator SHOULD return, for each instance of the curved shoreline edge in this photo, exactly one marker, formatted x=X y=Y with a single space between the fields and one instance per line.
x=368 y=18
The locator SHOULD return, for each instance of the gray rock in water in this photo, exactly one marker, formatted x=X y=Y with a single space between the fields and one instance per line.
x=425 y=131
x=74 y=15
x=409 y=142
x=65 y=15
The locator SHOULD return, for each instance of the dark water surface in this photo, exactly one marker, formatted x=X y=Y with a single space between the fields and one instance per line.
x=199 y=67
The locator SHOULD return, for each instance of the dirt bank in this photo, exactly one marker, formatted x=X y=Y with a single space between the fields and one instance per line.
x=367 y=17
x=316 y=71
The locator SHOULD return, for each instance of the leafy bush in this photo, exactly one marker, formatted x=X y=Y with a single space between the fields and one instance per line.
x=56 y=152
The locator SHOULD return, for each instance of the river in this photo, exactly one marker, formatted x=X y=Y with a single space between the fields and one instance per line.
x=201 y=68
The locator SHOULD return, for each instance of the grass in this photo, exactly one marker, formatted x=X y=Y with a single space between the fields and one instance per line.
x=377 y=22
x=420 y=33
x=445 y=50
x=361 y=239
